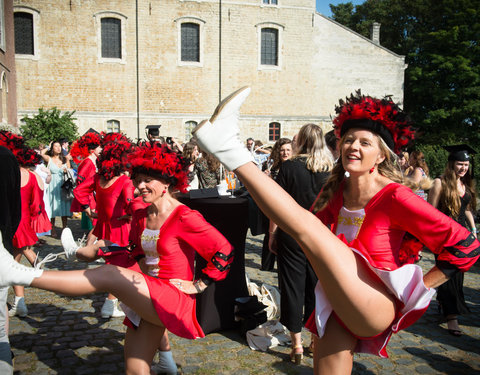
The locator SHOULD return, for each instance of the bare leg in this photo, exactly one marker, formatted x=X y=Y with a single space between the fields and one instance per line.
x=64 y=222
x=140 y=347
x=297 y=347
x=333 y=353
x=129 y=286
x=363 y=304
x=91 y=238
x=53 y=232
x=89 y=252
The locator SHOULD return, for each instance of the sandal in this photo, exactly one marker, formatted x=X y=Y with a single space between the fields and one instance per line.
x=296 y=355
x=453 y=331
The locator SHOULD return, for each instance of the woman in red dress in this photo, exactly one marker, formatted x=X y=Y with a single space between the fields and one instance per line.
x=162 y=296
x=85 y=151
x=113 y=192
x=364 y=293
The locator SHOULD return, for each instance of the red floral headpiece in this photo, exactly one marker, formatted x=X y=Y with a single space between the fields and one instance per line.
x=161 y=161
x=381 y=116
x=114 y=157
x=80 y=148
x=113 y=137
x=16 y=144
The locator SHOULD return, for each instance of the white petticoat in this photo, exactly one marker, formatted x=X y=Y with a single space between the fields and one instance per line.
x=406 y=284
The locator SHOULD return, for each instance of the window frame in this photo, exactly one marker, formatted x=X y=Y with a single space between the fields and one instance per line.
x=280 y=28
x=201 y=35
x=269 y=4
x=272 y=129
x=3 y=45
x=36 y=21
x=188 y=126
x=123 y=39
x=113 y=122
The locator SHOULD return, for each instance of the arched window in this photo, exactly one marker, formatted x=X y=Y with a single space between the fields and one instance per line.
x=24 y=33
x=113 y=126
x=189 y=126
x=190 y=40
x=274 y=131
x=111 y=38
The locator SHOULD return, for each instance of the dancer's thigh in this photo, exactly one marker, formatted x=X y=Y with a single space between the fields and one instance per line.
x=333 y=353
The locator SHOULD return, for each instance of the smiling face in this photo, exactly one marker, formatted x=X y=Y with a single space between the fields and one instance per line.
x=56 y=148
x=461 y=168
x=150 y=188
x=360 y=151
x=286 y=151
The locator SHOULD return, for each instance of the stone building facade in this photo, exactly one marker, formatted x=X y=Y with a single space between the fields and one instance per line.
x=122 y=65
x=8 y=96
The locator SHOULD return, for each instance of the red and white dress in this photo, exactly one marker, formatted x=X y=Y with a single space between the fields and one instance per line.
x=112 y=203
x=86 y=170
x=376 y=233
x=170 y=254
x=25 y=235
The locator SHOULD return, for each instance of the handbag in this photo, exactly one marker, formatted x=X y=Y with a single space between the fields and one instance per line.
x=68 y=185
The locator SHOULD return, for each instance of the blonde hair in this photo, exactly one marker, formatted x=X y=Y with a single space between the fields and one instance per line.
x=388 y=168
x=310 y=144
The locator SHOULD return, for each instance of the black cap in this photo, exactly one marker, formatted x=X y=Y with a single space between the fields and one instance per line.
x=153 y=130
x=460 y=152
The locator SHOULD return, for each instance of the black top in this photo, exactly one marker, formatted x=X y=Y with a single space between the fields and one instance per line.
x=302 y=184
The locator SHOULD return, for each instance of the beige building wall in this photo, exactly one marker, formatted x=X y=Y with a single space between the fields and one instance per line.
x=319 y=62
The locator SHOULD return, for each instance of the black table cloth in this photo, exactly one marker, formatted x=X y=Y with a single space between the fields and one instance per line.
x=215 y=306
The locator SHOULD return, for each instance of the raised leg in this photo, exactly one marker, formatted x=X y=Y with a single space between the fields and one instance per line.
x=129 y=286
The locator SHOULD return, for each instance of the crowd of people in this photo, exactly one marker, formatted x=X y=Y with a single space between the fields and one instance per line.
x=336 y=205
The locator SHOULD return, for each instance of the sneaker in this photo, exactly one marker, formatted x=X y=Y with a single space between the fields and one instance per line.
x=70 y=247
x=165 y=364
x=110 y=309
x=19 y=308
x=14 y=273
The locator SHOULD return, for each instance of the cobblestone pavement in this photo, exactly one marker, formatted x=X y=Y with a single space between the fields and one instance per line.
x=63 y=335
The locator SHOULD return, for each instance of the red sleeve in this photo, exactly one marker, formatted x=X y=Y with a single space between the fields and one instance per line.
x=86 y=169
x=454 y=244
x=83 y=191
x=208 y=242
x=127 y=193
x=136 y=230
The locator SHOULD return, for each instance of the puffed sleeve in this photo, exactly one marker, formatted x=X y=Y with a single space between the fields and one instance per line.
x=208 y=242
x=36 y=200
x=85 y=170
x=128 y=191
x=456 y=248
x=136 y=229
x=83 y=191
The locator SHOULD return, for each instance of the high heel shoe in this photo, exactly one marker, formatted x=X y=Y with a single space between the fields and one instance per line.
x=296 y=355
x=220 y=135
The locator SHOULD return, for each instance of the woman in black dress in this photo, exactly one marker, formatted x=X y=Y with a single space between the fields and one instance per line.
x=302 y=177
x=454 y=194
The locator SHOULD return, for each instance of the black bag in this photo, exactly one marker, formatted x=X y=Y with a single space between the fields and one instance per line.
x=68 y=185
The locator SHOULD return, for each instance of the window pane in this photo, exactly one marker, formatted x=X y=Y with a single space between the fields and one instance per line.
x=190 y=42
x=189 y=126
x=274 y=131
x=113 y=126
x=23 y=33
x=269 y=54
x=111 y=38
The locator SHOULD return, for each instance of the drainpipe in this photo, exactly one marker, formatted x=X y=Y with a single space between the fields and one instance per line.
x=219 y=50
x=137 y=70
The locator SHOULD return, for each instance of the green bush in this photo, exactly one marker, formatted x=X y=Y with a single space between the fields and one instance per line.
x=47 y=126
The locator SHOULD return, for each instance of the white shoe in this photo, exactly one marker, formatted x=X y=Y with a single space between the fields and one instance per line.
x=165 y=364
x=220 y=135
x=14 y=273
x=70 y=247
x=19 y=308
x=110 y=309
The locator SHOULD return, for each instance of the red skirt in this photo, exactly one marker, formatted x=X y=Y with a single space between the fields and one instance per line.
x=405 y=284
x=25 y=235
x=176 y=310
x=41 y=223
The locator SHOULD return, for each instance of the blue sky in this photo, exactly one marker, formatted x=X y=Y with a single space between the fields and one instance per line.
x=324 y=8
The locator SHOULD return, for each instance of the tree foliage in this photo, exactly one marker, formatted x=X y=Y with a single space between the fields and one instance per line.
x=47 y=126
x=440 y=42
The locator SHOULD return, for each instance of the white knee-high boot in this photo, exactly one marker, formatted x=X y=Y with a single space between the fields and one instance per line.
x=220 y=135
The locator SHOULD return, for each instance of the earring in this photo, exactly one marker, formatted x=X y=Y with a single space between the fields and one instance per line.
x=372 y=169
x=163 y=192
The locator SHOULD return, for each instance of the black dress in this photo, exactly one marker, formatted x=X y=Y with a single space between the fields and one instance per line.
x=450 y=294
x=296 y=277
